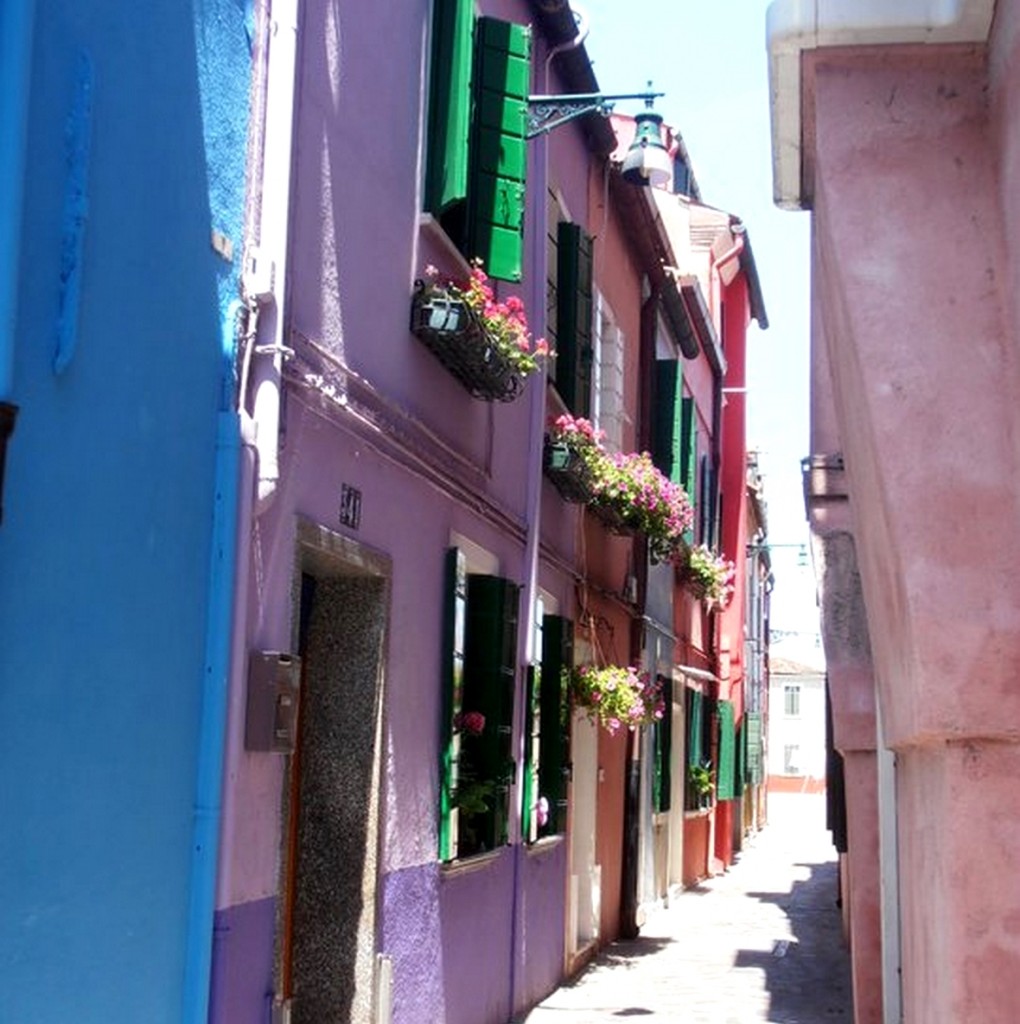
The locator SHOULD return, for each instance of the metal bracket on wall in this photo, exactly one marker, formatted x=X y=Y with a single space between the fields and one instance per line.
x=76 y=208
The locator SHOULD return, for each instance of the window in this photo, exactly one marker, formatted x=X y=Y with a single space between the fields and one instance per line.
x=791 y=700
x=547 y=754
x=480 y=644
x=608 y=413
x=574 y=318
x=477 y=152
x=791 y=759
x=695 y=797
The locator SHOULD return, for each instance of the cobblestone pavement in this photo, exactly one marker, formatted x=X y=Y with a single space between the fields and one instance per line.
x=762 y=942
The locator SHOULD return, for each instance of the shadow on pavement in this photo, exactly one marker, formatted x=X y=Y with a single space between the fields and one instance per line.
x=808 y=977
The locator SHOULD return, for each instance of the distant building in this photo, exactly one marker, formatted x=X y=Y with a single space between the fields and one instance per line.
x=796 y=729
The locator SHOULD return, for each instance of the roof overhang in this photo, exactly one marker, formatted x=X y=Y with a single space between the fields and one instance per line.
x=796 y=26
x=556 y=21
x=643 y=226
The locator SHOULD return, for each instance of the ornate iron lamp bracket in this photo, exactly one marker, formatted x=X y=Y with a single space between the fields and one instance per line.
x=548 y=112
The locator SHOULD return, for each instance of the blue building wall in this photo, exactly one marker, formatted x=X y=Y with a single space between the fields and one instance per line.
x=108 y=510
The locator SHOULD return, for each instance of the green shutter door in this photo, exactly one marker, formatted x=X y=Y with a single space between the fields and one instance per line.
x=727 y=751
x=574 y=318
x=557 y=655
x=490 y=658
x=446 y=182
x=453 y=684
x=499 y=150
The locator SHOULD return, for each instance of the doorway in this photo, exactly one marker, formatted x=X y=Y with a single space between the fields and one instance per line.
x=328 y=939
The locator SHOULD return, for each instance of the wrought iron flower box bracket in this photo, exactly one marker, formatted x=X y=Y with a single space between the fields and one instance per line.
x=567 y=472
x=451 y=330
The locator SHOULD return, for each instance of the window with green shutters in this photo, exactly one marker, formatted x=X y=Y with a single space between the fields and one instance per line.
x=662 y=751
x=480 y=646
x=697 y=750
x=574 y=318
x=726 y=769
x=548 y=754
x=477 y=154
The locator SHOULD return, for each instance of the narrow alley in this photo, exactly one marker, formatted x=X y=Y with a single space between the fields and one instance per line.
x=762 y=942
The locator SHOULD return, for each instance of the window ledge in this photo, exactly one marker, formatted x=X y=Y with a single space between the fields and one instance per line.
x=703 y=813
x=431 y=228
x=543 y=845
x=660 y=818
x=465 y=866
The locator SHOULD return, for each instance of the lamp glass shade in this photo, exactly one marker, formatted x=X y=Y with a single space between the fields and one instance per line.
x=647 y=161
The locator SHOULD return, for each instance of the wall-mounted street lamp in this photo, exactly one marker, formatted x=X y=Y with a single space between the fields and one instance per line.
x=802 y=554
x=647 y=161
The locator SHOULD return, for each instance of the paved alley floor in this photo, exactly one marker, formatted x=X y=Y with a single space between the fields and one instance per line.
x=761 y=943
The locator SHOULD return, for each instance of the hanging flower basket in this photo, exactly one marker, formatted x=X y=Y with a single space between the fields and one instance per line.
x=567 y=471
x=453 y=333
x=613 y=517
x=707 y=575
x=483 y=342
x=617 y=697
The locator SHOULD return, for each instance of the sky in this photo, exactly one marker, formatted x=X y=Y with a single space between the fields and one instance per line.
x=710 y=59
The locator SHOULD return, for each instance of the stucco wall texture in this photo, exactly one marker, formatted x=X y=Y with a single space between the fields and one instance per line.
x=914 y=168
x=109 y=499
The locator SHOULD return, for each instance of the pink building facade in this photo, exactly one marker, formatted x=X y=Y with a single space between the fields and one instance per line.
x=899 y=133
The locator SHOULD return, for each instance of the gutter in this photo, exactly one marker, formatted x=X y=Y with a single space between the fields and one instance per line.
x=796 y=26
x=17 y=18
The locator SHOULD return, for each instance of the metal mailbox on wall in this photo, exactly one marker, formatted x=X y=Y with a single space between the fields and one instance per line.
x=274 y=682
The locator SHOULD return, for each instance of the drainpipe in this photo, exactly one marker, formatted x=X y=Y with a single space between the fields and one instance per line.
x=266 y=272
x=205 y=830
x=16 y=21
x=533 y=492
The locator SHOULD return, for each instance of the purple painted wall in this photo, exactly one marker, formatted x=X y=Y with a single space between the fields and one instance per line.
x=369 y=406
x=242 y=985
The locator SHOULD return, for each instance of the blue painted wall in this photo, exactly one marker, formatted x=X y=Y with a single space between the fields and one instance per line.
x=105 y=542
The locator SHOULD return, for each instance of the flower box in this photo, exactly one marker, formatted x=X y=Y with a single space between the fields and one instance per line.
x=568 y=472
x=612 y=518
x=451 y=330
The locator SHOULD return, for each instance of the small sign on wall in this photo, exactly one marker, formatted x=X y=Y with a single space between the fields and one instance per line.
x=350 y=506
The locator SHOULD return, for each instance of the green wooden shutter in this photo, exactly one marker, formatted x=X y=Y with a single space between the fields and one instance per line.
x=695 y=727
x=490 y=659
x=740 y=773
x=727 y=751
x=574 y=318
x=662 y=779
x=689 y=455
x=499 y=153
x=557 y=656
x=446 y=181
x=532 y=754
x=453 y=687
x=668 y=419
x=754 y=748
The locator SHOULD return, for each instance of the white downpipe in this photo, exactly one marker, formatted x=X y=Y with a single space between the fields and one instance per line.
x=793 y=26
x=278 y=148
